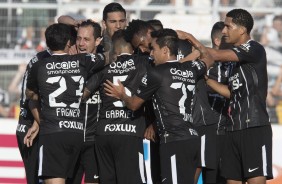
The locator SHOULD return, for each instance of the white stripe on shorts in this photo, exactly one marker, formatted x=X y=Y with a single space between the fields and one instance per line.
x=40 y=161
x=141 y=167
x=173 y=169
x=203 y=150
x=264 y=160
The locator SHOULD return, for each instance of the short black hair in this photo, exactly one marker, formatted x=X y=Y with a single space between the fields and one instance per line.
x=137 y=27
x=216 y=31
x=57 y=35
x=242 y=17
x=156 y=24
x=97 y=30
x=112 y=7
x=167 y=37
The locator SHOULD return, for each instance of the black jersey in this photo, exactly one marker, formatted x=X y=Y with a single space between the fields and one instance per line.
x=59 y=81
x=248 y=86
x=114 y=117
x=25 y=116
x=90 y=113
x=172 y=86
x=208 y=106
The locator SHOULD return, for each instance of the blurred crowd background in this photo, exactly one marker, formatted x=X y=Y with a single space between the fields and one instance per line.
x=23 y=22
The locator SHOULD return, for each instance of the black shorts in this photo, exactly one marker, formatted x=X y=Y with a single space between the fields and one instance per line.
x=248 y=154
x=30 y=159
x=58 y=154
x=120 y=159
x=208 y=146
x=179 y=161
x=211 y=150
x=86 y=164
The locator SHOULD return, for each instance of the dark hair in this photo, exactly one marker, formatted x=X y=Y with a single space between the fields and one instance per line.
x=167 y=37
x=112 y=7
x=97 y=30
x=216 y=31
x=119 y=36
x=57 y=36
x=137 y=27
x=156 y=24
x=184 y=48
x=242 y=17
x=73 y=35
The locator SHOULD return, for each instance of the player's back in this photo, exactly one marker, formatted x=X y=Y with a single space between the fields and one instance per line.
x=60 y=80
x=128 y=69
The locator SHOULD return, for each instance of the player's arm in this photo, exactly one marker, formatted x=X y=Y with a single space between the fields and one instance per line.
x=66 y=19
x=190 y=57
x=204 y=54
x=218 y=87
x=118 y=92
x=224 y=55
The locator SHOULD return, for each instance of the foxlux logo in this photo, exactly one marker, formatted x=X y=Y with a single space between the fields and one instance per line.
x=186 y=73
x=122 y=64
x=71 y=124
x=62 y=65
x=120 y=128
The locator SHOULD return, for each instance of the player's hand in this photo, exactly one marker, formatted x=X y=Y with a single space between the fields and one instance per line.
x=150 y=133
x=183 y=35
x=31 y=134
x=116 y=91
x=73 y=50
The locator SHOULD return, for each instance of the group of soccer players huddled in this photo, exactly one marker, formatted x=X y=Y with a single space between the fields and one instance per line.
x=90 y=99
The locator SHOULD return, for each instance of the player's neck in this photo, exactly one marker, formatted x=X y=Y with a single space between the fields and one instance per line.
x=59 y=52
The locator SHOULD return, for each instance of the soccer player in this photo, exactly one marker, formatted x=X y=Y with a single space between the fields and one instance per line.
x=88 y=38
x=120 y=131
x=58 y=82
x=247 y=156
x=114 y=18
x=210 y=113
x=29 y=153
x=171 y=85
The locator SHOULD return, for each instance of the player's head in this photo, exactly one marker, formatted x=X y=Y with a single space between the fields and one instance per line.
x=164 y=45
x=59 y=36
x=216 y=34
x=184 y=49
x=88 y=36
x=114 y=18
x=120 y=45
x=138 y=32
x=156 y=24
x=238 y=25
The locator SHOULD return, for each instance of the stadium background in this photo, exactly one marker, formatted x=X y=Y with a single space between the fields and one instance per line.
x=194 y=16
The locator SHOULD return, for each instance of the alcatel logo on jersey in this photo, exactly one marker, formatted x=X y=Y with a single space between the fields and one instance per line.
x=186 y=74
x=63 y=65
x=120 y=128
x=125 y=64
x=71 y=124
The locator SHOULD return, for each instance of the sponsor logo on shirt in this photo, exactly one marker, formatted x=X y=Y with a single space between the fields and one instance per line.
x=95 y=99
x=122 y=67
x=63 y=65
x=235 y=81
x=186 y=73
x=71 y=125
x=120 y=128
